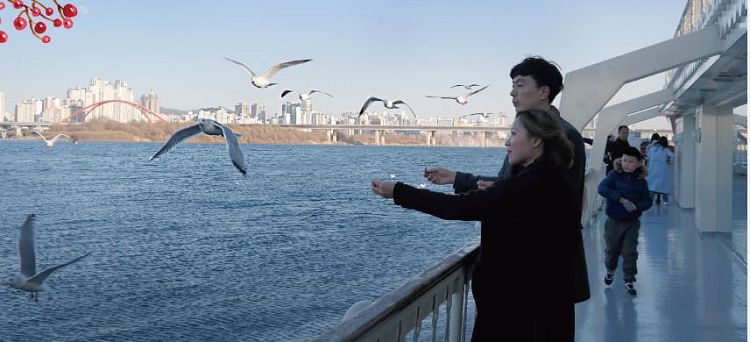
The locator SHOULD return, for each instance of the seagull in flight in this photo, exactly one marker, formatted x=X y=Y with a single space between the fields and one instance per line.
x=461 y=99
x=52 y=141
x=466 y=86
x=484 y=115
x=264 y=81
x=388 y=104
x=28 y=280
x=209 y=127
x=304 y=96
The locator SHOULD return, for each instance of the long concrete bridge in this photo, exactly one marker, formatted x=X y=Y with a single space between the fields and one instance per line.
x=430 y=131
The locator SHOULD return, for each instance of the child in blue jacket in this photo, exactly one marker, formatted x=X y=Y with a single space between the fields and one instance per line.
x=627 y=194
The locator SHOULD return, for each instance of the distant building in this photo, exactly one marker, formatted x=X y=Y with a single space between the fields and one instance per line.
x=258 y=111
x=100 y=90
x=151 y=102
x=292 y=113
x=52 y=110
x=28 y=110
x=242 y=109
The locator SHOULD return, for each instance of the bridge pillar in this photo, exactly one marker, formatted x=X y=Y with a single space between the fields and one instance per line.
x=18 y=132
x=331 y=134
x=714 y=169
x=483 y=138
x=378 y=137
x=3 y=134
x=429 y=138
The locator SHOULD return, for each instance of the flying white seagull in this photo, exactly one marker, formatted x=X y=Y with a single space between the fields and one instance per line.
x=388 y=104
x=28 y=279
x=484 y=115
x=209 y=127
x=264 y=81
x=461 y=99
x=466 y=86
x=52 y=141
x=304 y=96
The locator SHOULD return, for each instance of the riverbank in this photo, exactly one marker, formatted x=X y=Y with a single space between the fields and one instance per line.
x=104 y=130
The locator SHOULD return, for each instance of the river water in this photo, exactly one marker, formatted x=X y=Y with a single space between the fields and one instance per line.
x=185 y=248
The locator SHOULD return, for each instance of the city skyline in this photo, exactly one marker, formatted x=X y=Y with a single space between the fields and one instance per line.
x=357 y=53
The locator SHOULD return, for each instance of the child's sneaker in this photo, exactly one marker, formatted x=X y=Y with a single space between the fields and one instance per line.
x=609 y=277
x=630 y=288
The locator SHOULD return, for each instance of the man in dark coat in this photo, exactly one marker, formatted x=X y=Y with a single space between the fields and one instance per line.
x=614 y=149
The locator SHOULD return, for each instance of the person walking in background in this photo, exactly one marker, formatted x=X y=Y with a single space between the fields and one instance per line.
x=660 y=159
x=654 y=140
x=627 y=197
x=614 y=149
x=523 y=284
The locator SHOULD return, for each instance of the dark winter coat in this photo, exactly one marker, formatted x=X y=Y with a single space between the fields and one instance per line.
x=575 y=176
x=529 y=239
x=632 y=186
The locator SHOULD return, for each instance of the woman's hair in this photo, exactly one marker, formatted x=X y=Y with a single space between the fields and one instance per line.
x=655 y=137
x=558 y=150
x=663 y=142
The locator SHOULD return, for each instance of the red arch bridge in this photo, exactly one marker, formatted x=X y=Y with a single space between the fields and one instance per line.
x=81 y=114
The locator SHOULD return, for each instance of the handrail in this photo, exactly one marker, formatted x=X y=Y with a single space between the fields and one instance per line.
x=402 y=311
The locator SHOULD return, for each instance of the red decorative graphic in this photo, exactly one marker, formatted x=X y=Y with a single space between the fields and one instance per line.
x=34 y=15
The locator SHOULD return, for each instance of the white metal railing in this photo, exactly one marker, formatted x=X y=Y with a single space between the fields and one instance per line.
x=727 y=14
x=439 y=293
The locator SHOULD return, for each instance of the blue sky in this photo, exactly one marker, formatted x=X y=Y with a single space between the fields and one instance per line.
x=392 y=49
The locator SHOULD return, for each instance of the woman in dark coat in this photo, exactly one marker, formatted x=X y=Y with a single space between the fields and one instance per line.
x=522 y=284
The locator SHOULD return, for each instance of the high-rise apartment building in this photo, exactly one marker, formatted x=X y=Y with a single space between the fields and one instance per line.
x=28 y=110
x=52 y=110
x=151 y=102
x=242 y=109
x=258 y=111
x=100 y=90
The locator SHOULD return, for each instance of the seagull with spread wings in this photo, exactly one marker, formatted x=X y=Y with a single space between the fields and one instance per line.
x=264 y=80
x=304 y=96
x=51 y=142
x=387 y=104
x=28 y=279
x=461 y=99
x=209 y=127
x=466 y=86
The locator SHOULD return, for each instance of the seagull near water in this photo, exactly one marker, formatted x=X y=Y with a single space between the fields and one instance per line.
x=461 y=99
x=28 y=280
x=264 y=81
x=304 y=96
x=51 y=142
x=387 y=104
x=209 y=127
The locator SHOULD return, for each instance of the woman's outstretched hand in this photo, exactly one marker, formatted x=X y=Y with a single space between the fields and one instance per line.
x=439 y=175
x=382 y=188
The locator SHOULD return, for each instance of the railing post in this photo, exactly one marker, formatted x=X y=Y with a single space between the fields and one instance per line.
x=457 y=309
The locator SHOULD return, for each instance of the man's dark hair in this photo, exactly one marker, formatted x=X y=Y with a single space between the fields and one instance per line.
x=619 y=129
x=544 y=72
x=655 y=137
x=633 y=152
